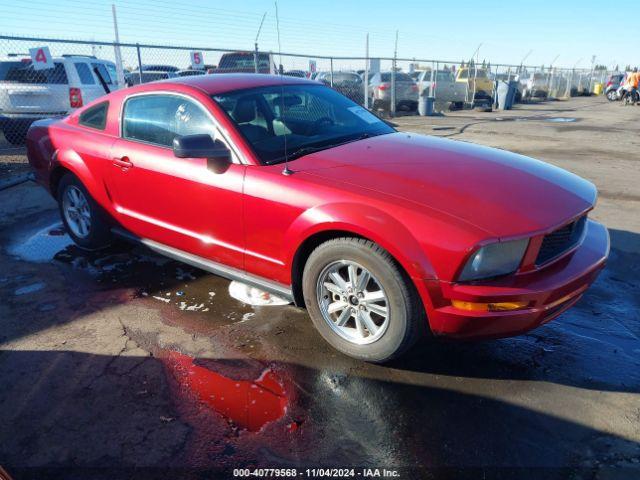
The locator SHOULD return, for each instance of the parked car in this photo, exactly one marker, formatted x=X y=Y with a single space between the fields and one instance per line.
x=151 y=73
x=244 y=62
x=533 y=85
x=613 y=83
x=159 y=68
x=295 y=189
x=445 y=88
x=296 y=73
x=136 y=77
x=27 y=95
x=187 y=72
x=476 y=79
x=348 y=83
x=380 y=91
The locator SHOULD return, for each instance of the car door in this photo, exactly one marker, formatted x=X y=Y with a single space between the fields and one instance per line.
x=177 y=202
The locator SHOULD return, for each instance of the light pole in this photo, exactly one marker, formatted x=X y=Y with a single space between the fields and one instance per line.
x=255 y=54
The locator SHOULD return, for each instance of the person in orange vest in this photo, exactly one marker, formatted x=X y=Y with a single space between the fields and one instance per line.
x=631 y=83
x=634 y=78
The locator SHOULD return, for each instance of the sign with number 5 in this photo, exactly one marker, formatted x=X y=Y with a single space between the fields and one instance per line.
x=41 y=58
x=197 y=62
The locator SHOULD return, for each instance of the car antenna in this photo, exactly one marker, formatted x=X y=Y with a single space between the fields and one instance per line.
x=286 y=170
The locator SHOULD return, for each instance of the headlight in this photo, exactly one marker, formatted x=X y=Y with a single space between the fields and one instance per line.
x=496 y=259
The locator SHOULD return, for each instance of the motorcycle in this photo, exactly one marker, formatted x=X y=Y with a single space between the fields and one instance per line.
x=629 y=97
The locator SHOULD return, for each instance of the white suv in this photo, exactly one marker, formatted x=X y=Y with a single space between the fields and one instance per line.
x=27 y=95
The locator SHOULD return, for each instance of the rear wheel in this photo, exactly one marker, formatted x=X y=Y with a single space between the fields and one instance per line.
x=85 y=221
x=360 y=301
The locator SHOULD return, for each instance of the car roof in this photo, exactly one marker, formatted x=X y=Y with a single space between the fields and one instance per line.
x=224 y=82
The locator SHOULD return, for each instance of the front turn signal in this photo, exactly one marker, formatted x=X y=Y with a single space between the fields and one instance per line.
x=488 y=307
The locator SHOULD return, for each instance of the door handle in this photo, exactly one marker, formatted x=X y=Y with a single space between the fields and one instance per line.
x=122 y=162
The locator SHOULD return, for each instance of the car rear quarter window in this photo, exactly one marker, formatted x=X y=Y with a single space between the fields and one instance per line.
x=95 y=117
x=158 y=119
x=86 y=78
x=23 y=72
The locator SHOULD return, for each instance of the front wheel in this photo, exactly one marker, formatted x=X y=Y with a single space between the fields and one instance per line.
x=612 y=95
x=85 y=221
x=360 y=301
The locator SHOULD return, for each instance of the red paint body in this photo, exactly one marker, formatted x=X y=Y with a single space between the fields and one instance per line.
x=429 y=202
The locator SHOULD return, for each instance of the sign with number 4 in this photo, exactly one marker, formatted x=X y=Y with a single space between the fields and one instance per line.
x=197 y=63
x=41 y=58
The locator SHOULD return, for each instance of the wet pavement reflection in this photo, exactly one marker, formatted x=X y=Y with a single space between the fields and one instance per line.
x=248 y=404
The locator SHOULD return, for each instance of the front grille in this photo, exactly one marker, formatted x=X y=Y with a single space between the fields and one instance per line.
x=561 y=240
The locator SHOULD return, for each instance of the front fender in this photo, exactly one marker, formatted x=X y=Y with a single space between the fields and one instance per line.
x=366 y=221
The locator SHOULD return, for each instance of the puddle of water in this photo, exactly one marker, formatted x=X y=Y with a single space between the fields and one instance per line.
x=248 y=404
x=34 y=287
x=42 y=246
x=560 y=120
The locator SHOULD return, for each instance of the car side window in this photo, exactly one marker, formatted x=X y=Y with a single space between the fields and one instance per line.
x=95 y=117
x=158 y=119
x=103 y=73
x=86 y=78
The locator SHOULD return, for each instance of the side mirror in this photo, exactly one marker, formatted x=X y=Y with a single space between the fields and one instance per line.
x=201 y=145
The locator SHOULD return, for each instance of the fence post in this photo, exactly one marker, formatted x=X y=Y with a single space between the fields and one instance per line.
x=139 y=62
x=569 y=85
x=433 y=79
x=366 y=74
x=392 y=107
x=255 y=57
x=331 y=63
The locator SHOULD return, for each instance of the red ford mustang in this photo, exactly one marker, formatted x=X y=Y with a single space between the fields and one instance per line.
x=287 y=185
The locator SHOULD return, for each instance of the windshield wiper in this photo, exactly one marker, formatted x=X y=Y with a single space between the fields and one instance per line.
x=301 y=152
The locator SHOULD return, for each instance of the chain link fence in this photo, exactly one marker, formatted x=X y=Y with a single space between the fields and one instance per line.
x=83 y=70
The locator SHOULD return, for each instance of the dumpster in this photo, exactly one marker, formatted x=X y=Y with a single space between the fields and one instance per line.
x=597 y=88
x=425 y=105
x=511 y=96
x=506 y=94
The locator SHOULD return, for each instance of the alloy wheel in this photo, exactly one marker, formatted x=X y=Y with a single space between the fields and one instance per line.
x=353 y=302
x=76 y=211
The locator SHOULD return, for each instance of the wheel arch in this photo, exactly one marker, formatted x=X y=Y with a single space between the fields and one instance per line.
x=69 y=161
x=403 y=248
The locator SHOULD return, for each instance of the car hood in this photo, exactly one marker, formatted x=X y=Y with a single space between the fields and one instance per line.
x=503 y=193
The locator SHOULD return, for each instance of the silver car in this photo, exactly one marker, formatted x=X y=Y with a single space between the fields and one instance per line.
x=380 y=91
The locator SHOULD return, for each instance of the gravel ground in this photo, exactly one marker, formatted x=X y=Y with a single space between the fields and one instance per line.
x=122 y=364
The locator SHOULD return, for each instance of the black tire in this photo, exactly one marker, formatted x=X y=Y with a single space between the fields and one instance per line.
x=99 y=234
x=407 y=319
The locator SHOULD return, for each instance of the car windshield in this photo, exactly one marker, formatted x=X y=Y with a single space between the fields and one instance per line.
x=243 y=60
x=400 y=77
x=304 y=118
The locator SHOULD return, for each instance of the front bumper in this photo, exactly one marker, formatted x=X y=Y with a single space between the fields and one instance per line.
x=549 y=291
